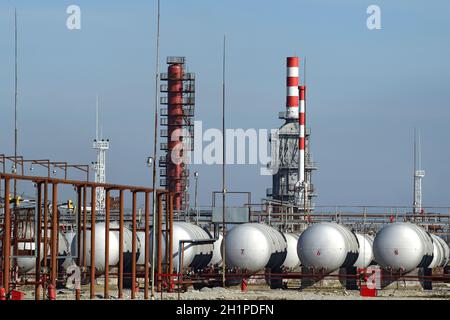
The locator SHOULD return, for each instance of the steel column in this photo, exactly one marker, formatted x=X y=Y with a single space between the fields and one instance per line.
x=37 y=289
x=84 y=228
x=93 y=202
x=54 y=235
x=170 y=234
x=7 y=239
x=147 y=244
x=133 y=251
x=107 y=208
x=121 y=223
x=160 y=220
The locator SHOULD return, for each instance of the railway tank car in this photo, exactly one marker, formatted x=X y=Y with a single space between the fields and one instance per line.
x=402 y=247
x=254 y=247
x=327 y=246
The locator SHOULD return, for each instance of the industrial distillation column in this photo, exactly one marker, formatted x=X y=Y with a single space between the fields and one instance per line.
x=177 y=117
x=291 y=184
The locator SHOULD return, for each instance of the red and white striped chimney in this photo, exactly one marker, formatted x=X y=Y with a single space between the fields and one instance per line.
x=292 y=88
x=301 y=138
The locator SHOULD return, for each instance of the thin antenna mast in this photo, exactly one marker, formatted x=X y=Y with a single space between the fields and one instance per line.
x=224 y=189
x=15 y=101
x=414 y=175
x=155 y=141
x=96 y=118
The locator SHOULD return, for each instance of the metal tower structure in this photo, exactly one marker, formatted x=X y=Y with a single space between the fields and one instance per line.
x=177 y=115
x=291 y=184
x=101 y=145
x=418 y=175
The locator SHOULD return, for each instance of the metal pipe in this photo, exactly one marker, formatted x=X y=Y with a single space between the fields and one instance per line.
x=107 y=208
x=160 y=220
x=224 y=189
x=6 y=239
x=54 y=235
x=155 y=142
x=197 y=212
x=45 y=232
x=93 y=202
x=79 y=221
x=170 y=236
x=168 y=257
x=37 y=289
x=147 y=244
x=121 y=223
x=84 y=228
x=133 y=250
x=80 y=183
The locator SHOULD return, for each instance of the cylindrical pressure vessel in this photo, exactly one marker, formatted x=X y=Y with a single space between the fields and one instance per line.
x=292 y=260
x=440 y=252
x=327 y=246
x=365 y=256
x=100 y=247
x=195 y=256
x=254 y=247
x=216 y=260
x=403 y=246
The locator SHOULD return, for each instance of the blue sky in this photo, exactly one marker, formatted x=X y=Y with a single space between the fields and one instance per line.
x=367 y=90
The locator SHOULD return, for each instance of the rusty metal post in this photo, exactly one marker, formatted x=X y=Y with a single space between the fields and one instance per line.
x=160 y=237
x=107 y=207
x=37 y=289
x=6 y=239
x=133 y=251
x=93 y=205
x=121 y=223
x=45 y=224
x=84 y=227
x=166 y=269
x=79 y=223
x=147 y=243
x=54 y=235
x=170 y=235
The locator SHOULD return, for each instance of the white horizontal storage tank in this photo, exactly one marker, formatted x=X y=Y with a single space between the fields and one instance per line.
x=254 y=247
x=365 y=256
x=216 y=260
x=141 y=239
x=27 y=262
x=127 y=244
x=100 y=247
x=403 y=246
x=292 y=260
x=194 y=256
x=441 y=252
x=64 y=248
x=327 y=246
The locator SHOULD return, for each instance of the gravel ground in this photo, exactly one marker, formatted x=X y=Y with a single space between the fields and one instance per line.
x=261 y=293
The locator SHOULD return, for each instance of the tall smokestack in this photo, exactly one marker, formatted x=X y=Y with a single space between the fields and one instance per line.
x=292 y=88
x=301 y=139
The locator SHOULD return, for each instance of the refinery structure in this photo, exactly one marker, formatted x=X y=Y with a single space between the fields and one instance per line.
x=167 y=245
x=292 y=182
